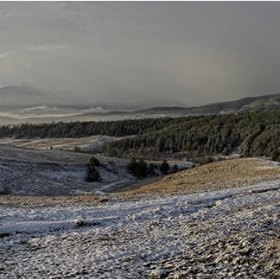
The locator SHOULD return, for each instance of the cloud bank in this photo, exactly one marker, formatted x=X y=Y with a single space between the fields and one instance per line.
x=141 y=54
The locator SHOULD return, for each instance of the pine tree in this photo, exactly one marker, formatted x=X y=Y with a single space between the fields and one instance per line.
x=164 y=167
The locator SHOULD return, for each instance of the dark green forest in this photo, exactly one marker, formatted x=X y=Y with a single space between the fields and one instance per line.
x=251 y=134
x=83 y=129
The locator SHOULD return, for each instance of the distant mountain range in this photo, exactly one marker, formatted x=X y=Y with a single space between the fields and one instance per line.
x=26 y=104
x=21 y=96
x=26 y=96
x=248 y=104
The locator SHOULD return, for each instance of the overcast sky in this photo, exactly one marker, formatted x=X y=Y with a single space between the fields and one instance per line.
x=142 y=54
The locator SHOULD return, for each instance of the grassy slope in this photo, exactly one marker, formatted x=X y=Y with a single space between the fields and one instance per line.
x=213 y=176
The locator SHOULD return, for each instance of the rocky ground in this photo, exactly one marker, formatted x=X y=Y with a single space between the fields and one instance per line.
x=223 y=222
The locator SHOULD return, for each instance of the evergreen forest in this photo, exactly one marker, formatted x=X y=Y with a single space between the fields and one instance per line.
x=249 y=134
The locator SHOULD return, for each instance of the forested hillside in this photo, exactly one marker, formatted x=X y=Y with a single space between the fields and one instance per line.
x=251 y=134
x=83 y=129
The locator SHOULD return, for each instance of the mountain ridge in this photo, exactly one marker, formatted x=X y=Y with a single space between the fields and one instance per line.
x=29 y=97
x=246 y=104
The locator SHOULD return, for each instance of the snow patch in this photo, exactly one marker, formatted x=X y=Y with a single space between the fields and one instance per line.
x=95 y=110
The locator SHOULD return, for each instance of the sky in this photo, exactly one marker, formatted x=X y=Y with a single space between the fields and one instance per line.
x=141 y=54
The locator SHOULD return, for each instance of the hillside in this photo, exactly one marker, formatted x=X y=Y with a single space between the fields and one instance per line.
x=248 y=134
x=21 y=95
x=22 y=104
x=33 y=172
x=211 y=177
x=248 y=104
x=57 y=172
x=227 y=226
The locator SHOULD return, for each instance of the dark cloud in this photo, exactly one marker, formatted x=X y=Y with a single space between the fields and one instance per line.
x=142 y=54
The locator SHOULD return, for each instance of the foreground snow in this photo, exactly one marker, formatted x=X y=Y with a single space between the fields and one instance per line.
x=176 y=237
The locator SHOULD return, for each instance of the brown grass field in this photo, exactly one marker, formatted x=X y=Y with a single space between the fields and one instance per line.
x=214 y=176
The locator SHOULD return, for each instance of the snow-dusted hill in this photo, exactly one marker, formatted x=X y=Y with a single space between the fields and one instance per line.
x=31 y=172
x=57 y=172
x=25 y=104
x=215 y=221
x=221 y=234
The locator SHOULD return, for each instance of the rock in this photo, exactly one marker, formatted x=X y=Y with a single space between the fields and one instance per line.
x=2 y=235
x=169 y=266
x=159 y=274
x=242 y=274
x=85 y=223
x=181 y=275
x=103 y=200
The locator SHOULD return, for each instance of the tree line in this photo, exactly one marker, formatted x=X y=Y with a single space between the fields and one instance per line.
x=250 y=134
x=137 y=167
x=83 y=129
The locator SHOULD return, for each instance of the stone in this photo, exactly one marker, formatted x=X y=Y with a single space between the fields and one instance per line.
x=159 y=274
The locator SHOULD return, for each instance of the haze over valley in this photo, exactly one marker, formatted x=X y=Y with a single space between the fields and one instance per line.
x=38 y=107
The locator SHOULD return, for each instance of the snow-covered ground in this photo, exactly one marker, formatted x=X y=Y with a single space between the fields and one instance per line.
x=52 y=172
x=86 y=144
x=32 y=172
x=232 y=232
x=221 y=234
